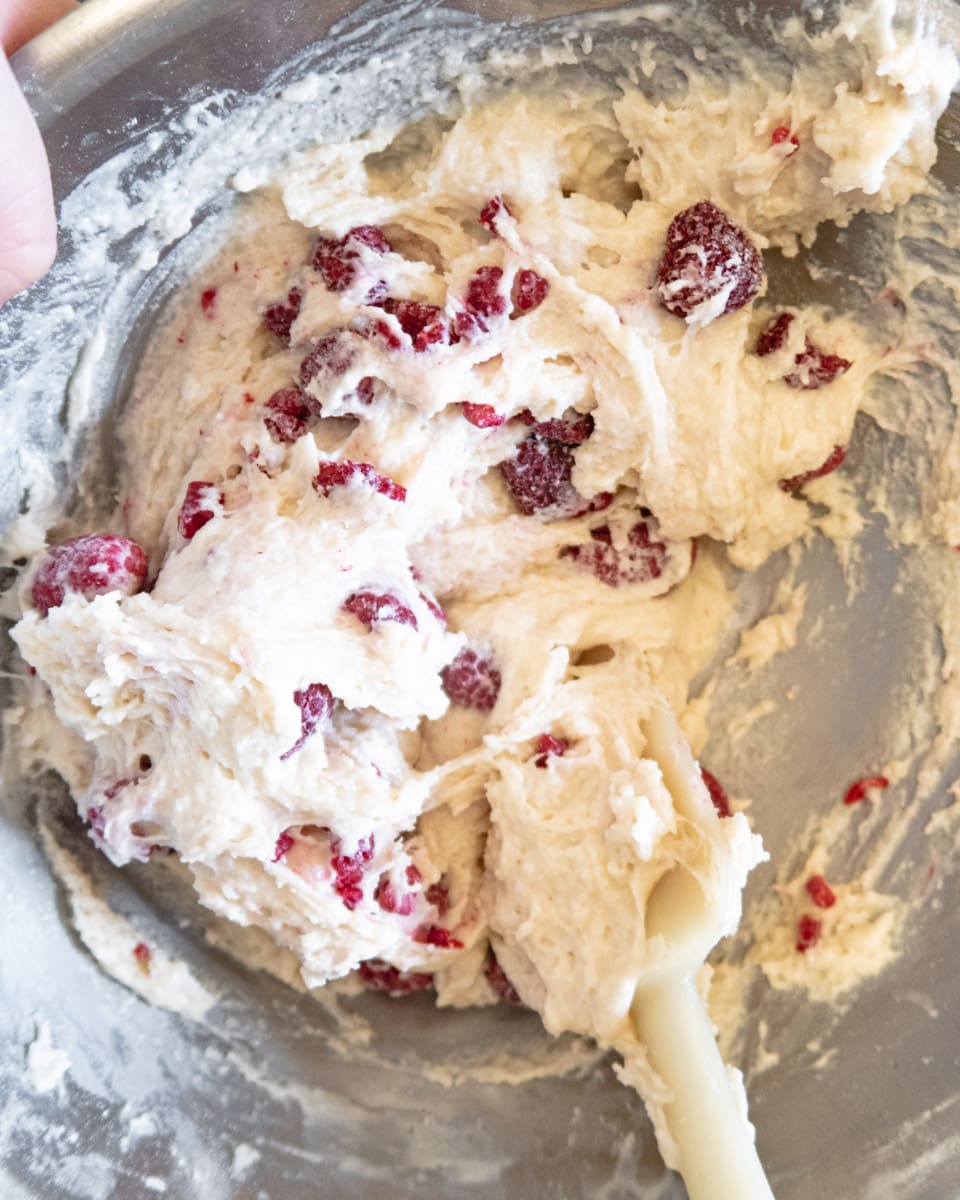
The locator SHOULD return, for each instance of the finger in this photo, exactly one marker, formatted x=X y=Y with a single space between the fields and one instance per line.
x=20 y=20
x=28 y=229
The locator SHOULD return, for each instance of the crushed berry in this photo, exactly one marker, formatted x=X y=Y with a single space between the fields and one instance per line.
x=820 y=892
x=484 y=416
x=336 y=259
x=434 y=608
x=91 y=565
x=439 y=896
x=97 y=821
x=337 y=474
x=202 y=501
x=548 y=745
x=529 y=291
x=382 y=977
x=330 y=355
x=370 y=608
x=348 y=870
x=288 y=415
x=538 y=478
x=808 y=932
x=707 y=254
x=207 y=301
x=279 y=317
x=500 y=982
x=433 y=935
x=284 y=843
x=471 y=681
x=775 y=334
x=718 y=793
x=413 y=874
x=641 y=560
x=141 y=952
x=495 y=207
x=858 y=791
x=386 y=896
x=782 y=134
x=484 y=301
x=315 y=702
x=572 y=428
x=424 y=324
x=812 y=367
x=796 y=482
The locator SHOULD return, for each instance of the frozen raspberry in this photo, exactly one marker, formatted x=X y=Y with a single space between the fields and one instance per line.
x=812 y=367
x=820 y=892
x=494 y=208
x=435 y=608
x=279 y=317
x=484 y=301
x=336 y=259
x=548 y=745
x=529 y=290
x=426 y=325
x=90 y=566
x=381 y=977
x=288 y=414
x=413 y=874
x=572 y=428
x=284 y=843
x=330 y=355
x=707 y=255
x=207 y=301
x=858 y=791
x=386 y=896
x=782 y=134
x=641 y=560
x=484 y=416
x=348 y=870
x=718 y=794
x=202 y=501
x=538 y=478
x=370 y=608
x=337 y=474
x=499 y=981
x=141 y=952
x=808 y=933
x=775 y=334
x=796 y=482
x=433 y=935
x=471 y=681
x=439 y=896
x=315 y=702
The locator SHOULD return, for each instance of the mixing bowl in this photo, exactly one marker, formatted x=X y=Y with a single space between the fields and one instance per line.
x=147 y=108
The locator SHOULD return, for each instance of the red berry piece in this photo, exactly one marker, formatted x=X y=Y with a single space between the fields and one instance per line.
x=718 y=793
x=202 y=501
x=483 y=302
x=439 y=896
x=433 y=935
x=381 y=977
x=529 y=291
x=538 y=479
x=279 y=317
x=288 y=414
x=858 y=791
x=339 y=474
x=370 y=608
x=348 y=870
x=329 y=357
x=782 y=134
x=315 y=702
x=500 y=982
x=774 y=336
x=413 y=874
x=547 y=746
x=808 y=932
x=484 y=416
x=424 y=324
x=89 y=566
x=435 y=609
x=707 y=256
x=494 y=208
x=812 y=367
x=207 y=301
x=471 y=681
x=386 y=896
x=284 y=843
x=572 y=428
x=641 y=560
x=820 y=892
x=337 y=259
x=141 y=952
x=796 y=482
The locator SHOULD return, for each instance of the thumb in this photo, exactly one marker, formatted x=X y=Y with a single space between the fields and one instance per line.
x=28 y=230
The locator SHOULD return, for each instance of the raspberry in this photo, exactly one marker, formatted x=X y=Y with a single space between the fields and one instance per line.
x=718 y=794
x=141 y=952
x=538 y=478
x=413 y=874
x=331 y=355
x=202 y=501
x=641 y=560
x=529 y=290
x=337 y=259
x=207 y=301
x=820 y=892
x=280 y=317
x=426 y=325
x=289 y=413
x=315 y=702
x=284 y=843
x=380 y=976
x=471 y=681
x=90 y=566
x=348 y=870
x=439 y=896
x=370 y=608
x=796 y=482
x=433 y=935
x=390 y=902
x=484 y=416
x=337 y=474
x=774 y=335
x=858 y=791
x=812 y=367
x=499 y=981
x=548 y=745
x=572 y=428
x=494 y=208
x=706 y=255
x=484 y=300
x=808 y=933
x=782 y=134
x=435 y=608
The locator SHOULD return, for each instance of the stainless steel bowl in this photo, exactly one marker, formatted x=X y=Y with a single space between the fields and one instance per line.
x=391 y=1098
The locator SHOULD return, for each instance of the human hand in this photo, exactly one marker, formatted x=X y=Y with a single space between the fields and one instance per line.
x=28 y=225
